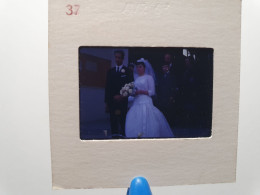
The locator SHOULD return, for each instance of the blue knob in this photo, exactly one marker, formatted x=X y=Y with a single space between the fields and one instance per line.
x=139 y=186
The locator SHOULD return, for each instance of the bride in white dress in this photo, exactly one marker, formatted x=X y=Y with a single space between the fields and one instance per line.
x=144 y=120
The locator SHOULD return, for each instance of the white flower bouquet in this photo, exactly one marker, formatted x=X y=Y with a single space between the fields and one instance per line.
x=128 y=90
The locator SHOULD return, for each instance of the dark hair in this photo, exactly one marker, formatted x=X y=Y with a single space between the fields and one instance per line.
x=168 y=53
x=190 y=58
x=121 y=52
x=131 y=65
x=140 y=63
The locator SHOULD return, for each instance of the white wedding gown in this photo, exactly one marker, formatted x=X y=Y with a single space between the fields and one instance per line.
x=144 y=119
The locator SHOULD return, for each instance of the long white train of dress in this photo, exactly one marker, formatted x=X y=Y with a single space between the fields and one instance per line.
x=144 y=119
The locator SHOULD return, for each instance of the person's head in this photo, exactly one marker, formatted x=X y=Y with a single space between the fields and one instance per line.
x=167 y=58
x=140 y=68
x=119 y=57
x=189 y=62
x=165 y=68
x=131 y=67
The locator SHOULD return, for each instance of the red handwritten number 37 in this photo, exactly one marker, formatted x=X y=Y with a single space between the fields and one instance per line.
x=72 y=9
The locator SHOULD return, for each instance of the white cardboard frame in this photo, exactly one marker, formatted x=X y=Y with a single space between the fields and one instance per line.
x=164 y=162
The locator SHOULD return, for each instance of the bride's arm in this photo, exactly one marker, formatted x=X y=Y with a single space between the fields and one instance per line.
x=151 y=86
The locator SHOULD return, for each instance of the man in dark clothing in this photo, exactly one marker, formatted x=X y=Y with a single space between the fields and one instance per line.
x=116 y=104
x=166 y=94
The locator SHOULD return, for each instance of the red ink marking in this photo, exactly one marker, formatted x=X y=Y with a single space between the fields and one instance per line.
x=76 y=9
x=72 y=9
x=69 y=9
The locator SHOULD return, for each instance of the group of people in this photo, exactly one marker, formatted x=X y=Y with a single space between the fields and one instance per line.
x=155 y=104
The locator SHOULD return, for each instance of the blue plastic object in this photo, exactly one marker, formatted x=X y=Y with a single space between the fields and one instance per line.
x=139 y=186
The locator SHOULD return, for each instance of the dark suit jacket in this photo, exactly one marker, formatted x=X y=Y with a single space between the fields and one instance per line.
x=114 y=83
x=166 y=89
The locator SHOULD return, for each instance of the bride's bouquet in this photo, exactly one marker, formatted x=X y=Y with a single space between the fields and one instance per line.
x=128 y=90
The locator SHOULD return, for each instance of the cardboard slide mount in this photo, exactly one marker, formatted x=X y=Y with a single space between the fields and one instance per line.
x=164 y=162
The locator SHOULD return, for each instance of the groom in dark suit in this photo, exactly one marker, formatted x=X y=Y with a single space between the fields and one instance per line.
x=116 y=105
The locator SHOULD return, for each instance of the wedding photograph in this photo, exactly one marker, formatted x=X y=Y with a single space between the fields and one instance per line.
x=145 y=92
